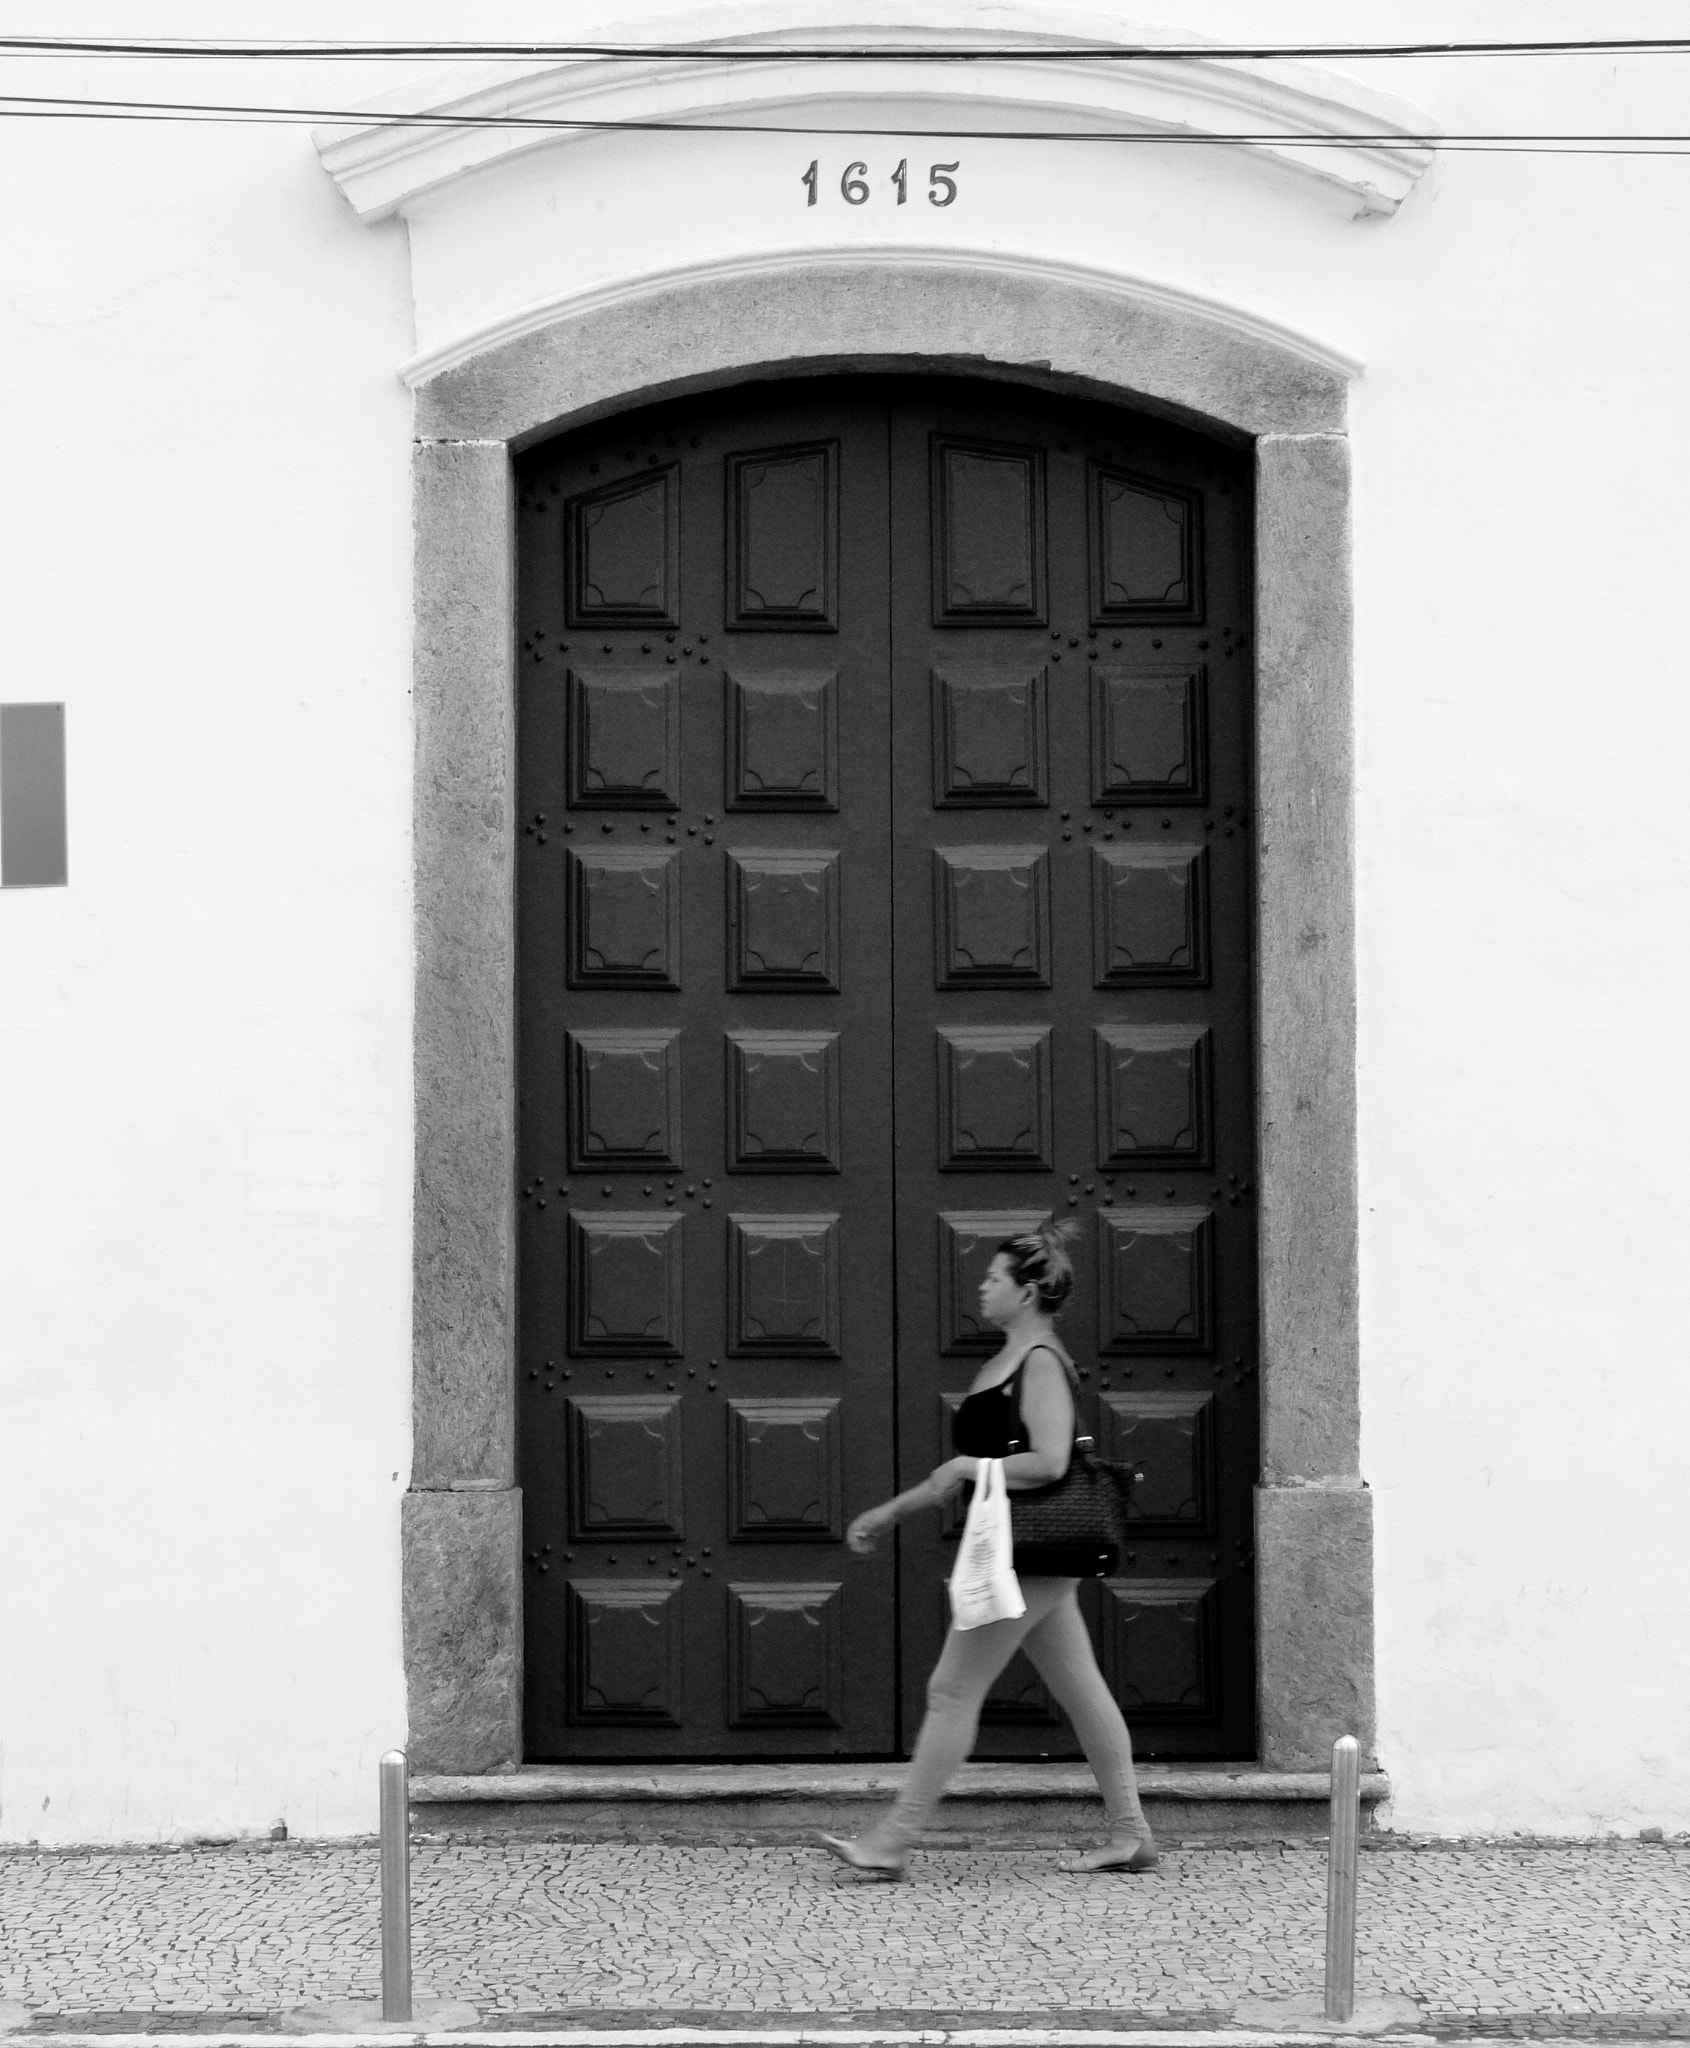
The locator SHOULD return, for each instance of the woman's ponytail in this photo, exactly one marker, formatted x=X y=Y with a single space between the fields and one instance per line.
x=1040 y=1259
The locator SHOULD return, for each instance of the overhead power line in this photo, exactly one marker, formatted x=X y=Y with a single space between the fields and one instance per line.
x=1079 y=53
x=53 y=107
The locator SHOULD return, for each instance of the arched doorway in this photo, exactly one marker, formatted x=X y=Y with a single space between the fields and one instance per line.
x=884 y=775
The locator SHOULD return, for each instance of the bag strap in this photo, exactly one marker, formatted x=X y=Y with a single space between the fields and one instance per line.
x=1053 y=1345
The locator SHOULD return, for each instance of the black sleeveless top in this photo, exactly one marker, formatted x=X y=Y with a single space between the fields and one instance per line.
x=988 y=1424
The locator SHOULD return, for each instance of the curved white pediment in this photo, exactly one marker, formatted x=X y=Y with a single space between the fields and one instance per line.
x=1317 y=125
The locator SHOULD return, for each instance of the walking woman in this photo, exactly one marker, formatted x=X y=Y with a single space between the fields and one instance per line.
x=1022 y=1396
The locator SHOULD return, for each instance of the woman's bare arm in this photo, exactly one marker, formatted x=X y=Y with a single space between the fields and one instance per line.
x=1047 y=1412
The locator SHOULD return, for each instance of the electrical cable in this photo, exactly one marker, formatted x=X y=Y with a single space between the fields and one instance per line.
x=1105 y=53
x=42 y=106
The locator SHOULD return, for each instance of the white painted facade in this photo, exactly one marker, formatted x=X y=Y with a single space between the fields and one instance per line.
x=205 y=1114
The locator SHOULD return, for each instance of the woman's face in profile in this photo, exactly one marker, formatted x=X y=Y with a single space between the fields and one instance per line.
x=1001 y=1300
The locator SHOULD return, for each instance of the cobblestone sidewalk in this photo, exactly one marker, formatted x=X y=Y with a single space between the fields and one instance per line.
x=1524 y=1940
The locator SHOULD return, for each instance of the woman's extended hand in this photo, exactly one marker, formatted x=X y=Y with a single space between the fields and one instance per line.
x=866 y=1531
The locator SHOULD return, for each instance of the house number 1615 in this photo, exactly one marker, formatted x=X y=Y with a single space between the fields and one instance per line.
x=854 y=189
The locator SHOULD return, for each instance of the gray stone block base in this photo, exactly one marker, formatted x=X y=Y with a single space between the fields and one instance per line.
x=1314 y=1623
x=463 y=1629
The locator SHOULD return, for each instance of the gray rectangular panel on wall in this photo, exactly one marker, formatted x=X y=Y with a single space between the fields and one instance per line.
x=32 y=796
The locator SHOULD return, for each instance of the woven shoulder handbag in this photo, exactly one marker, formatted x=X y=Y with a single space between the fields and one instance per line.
x=1075 y=1526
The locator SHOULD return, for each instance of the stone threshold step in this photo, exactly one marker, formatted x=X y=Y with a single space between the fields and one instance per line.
x=989 y=1804
x=573 y=1784
x=386 y=2034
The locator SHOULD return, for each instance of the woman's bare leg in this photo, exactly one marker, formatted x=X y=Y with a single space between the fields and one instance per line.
x=1061 y=1653
x=969 y=1662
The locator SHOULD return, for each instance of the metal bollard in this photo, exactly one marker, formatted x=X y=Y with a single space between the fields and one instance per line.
x=395 y=1886
x=1341 y=1879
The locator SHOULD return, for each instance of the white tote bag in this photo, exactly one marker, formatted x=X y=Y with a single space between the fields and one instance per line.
x=983 y=1583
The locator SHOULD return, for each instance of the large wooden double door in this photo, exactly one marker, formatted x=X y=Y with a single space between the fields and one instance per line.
x=884 y=884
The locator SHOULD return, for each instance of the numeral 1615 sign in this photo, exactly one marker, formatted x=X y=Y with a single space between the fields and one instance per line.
x=854 y=185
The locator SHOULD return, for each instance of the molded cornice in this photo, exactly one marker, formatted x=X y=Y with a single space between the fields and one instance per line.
x=1316 y=124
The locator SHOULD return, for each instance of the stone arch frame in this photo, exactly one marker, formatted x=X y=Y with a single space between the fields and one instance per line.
x=1070 y=332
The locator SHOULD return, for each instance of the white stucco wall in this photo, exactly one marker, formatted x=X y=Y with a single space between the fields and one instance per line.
x=205 y=1118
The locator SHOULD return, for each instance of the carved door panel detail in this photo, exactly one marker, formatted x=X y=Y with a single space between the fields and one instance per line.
x=783 y=922
x=784 y=1655
x=624 y=1099
x=1155 y=1268
x=624 y=740
x=783 y=1102
x=1159 y=1648
x=626 y=1653
x=625 y=919
x=1150 y=913
x=1170 y=1438
x=783 y=563
x=1149 y=735
x=841 y=960
x=988 y=534
x=624 y=547
x=784 y=1466
x=625 y=1280
x=783 y=741
x=1153 y=1094
x=625 y=1464
x=989 y=737
x=783 y=1285
x=1147 y=550
x=994 y=1098
x=993 y=916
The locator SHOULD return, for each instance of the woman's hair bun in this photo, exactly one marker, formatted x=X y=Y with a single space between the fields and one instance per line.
x=1039 y=1258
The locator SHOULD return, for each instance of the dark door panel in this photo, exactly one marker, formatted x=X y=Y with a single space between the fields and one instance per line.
x=707 y=1313
x=1071 y=887
x=883 y=884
